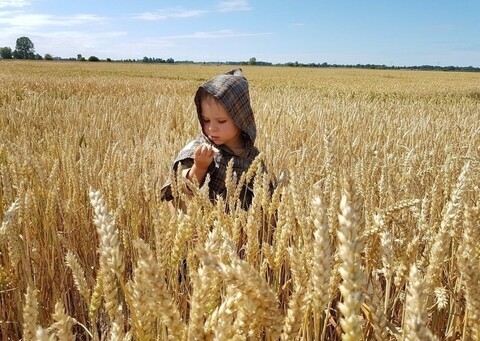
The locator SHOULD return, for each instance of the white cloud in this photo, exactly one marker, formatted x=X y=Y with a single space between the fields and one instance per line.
x=164 y=14
x=70 y=43
x=14 y=3
x=17 y=19
x=233 y=5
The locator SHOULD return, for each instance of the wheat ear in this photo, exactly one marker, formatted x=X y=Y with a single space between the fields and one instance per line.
x=30 y=314
x=42 y=334
x=139 y=291
x=468 y=261
x=321 y=262
x=416 y=318
x=206 y=287
x=7 y=219
x=254 y=295
x=378 y=317
x=298 y=300
x=352 y=278
x=111 y=263
x=108 y=234
x=63 y=323
x=447 y=229
x=12 y=237
x=220 y=322
x=153 y=284
x=78 y=275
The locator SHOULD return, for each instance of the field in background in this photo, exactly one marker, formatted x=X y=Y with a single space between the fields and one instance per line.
x=383 y=174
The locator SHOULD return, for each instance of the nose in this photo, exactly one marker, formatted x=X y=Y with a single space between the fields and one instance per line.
x=212 y=127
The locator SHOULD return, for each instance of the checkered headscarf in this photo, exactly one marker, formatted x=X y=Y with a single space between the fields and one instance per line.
x=231 y=89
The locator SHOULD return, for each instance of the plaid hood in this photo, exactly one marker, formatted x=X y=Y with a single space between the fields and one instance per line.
x=231 y=89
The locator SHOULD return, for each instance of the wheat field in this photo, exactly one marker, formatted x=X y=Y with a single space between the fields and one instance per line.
x=372 y=232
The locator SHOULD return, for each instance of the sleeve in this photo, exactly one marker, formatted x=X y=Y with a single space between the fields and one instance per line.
x=185 y=187
x=183 y=166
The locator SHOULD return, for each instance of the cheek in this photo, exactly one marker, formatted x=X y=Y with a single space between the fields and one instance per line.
x=234 y=129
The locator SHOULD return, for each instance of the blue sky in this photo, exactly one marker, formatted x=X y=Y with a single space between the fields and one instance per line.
x=386 y=32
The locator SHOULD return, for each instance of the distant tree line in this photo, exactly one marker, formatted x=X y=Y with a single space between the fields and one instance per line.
x=385 y=67
x=157 y=60
x=25 y=49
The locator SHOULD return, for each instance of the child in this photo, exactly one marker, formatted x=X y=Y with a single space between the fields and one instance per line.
x=228 y=132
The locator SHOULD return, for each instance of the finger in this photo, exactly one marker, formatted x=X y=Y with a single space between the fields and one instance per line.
x=202 y=151
x=207 y=149
x=212 y=148
x=199 y=151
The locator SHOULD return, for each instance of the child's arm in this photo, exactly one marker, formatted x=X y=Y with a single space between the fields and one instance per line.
x=202 y=158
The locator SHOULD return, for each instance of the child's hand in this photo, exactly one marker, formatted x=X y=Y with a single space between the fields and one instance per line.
x=203 y=155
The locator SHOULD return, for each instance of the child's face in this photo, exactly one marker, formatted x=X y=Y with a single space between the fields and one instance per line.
x=218 y=125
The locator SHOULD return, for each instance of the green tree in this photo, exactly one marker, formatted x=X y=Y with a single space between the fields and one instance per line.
x=24 y=49
x=6 y=53
x=48 y=56
x=252 y=61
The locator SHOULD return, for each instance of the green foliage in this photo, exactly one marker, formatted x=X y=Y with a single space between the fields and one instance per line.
x=6 y=53
x=93 y=59
x=24 y=49
x=48 y=56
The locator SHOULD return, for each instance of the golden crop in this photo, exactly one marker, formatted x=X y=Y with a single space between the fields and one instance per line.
x=373 y=233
